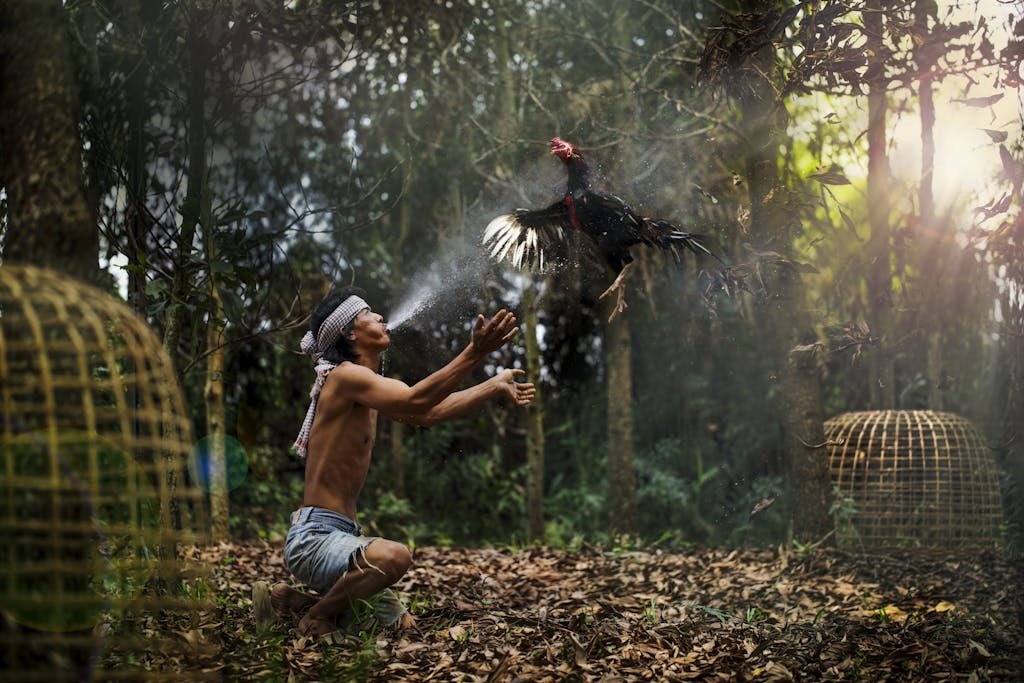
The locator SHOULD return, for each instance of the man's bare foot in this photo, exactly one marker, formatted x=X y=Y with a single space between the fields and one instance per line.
x=287 y=601
x=316 y=627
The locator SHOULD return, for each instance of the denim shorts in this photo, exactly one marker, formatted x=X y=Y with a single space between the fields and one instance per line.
x=320 y=546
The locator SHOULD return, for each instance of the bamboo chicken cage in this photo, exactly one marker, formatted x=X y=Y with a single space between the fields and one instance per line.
x=913 y=479
x=96 y=505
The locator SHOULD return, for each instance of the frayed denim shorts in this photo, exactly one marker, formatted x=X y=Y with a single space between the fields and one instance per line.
x=321 y=546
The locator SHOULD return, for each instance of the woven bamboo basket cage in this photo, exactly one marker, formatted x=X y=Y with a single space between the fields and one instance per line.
x=97 y=510
x=913 y=479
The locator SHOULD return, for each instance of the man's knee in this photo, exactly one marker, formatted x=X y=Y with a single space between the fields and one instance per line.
x=394 y=559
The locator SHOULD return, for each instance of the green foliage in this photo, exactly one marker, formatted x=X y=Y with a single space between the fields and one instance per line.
x=361 y=142
x=674 y=491
x=454 y=497
x=844 y=511
x=260 y=507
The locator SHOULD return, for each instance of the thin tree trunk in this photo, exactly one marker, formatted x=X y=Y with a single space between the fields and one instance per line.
x=214 y=387
x=621 y=475
x=619 y=362
x=534 y=420
x=882 y=377
x=48 y=219
x=924 y=55
x=199 y=58
x=136 y=214
x=506 y=126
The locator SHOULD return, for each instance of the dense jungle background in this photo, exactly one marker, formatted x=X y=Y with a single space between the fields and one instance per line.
x=221 y=164
x=858 y=164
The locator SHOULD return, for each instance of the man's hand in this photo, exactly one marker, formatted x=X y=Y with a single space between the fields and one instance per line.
x=493 y=334
x=520 y=393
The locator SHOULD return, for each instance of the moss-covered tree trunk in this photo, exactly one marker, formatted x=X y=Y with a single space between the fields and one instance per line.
x=48 y=219
x=214 y=385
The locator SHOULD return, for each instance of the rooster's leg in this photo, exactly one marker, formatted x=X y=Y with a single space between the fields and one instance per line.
x=620 y=285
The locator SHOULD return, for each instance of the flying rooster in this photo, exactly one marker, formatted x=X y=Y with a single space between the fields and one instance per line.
x=524 y=236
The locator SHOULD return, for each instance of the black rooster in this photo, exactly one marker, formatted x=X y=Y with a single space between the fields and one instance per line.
x=524 y=235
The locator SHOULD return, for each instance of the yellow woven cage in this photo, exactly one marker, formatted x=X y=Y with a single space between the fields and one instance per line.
x=913 y=479
x=96 y=508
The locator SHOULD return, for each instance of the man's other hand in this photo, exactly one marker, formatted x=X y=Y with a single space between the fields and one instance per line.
x=520 y=393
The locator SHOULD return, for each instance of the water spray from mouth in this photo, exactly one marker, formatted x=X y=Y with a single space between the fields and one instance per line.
x=461 y=264
x=456 y=273
x=414 y=302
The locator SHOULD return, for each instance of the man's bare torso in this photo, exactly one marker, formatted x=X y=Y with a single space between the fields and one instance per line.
x=340 y=446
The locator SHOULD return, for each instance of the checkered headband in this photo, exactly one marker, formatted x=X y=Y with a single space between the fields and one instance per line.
x=330 y=331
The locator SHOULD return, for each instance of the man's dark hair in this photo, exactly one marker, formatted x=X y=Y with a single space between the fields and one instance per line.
x=342 y=349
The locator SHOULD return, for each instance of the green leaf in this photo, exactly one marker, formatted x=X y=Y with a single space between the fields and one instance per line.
x=189 y=210
x=232 y=304
x=229 y=217
x=832 y=176
x=848 y=222
x=155 y=289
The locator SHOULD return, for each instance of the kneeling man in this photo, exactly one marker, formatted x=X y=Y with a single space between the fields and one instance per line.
x=325 y=548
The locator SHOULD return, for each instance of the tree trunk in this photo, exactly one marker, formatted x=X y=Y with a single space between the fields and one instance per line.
x=48 y=220
x=622 y=515
x=199 y=58
x=136 y=213
x=506 y=126
x=925 y=57
x=214 y=388
x=792 y=332
x=883 y=375
x=215 y=418
x=534 y=420
x=621 y=475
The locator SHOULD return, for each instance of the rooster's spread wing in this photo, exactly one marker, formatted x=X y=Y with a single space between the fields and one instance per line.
x=524 y=236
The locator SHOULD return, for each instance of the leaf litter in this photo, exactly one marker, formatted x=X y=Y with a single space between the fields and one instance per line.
x=540 y=614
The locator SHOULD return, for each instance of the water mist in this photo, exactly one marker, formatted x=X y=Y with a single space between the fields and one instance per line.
x=462 y=264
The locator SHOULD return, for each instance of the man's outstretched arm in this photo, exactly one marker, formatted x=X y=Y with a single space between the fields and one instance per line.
x=391 y=396
x=502 y=385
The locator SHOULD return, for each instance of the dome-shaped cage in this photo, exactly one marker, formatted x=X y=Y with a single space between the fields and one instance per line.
x=913 y=479
x=94 y=443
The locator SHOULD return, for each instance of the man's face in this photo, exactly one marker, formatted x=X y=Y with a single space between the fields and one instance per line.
x=370 y=330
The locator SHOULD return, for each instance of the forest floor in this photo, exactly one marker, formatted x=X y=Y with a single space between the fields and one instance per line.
x=538 y=614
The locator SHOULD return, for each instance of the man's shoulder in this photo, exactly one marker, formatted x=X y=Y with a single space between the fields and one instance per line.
x=347 y=371
x=346 y=368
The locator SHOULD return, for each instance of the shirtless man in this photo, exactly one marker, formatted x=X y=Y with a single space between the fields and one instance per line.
x=325 y=548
